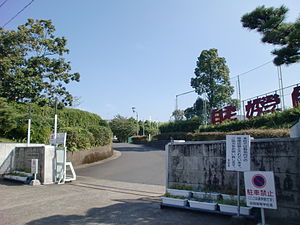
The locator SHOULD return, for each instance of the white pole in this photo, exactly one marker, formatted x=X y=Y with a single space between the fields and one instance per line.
x=238 y=193
x=55 y=122
x=29 y=126
x=281 y=87
x=263 y=220
x=28 y=131
x=55 y=126
x=143 y=128
x=239 y=96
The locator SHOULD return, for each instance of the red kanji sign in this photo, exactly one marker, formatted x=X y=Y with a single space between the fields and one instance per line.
x=220 y=115
x=296 y=96
x=260 y=106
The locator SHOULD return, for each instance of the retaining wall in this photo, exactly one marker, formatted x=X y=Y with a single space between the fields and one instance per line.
x=90 y=155
x=201 y=165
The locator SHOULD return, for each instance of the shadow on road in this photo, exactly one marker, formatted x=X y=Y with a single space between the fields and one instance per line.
x=122 y=147
x=116 y=189
x=10 y=182
x=136 y=149
x=144 y=210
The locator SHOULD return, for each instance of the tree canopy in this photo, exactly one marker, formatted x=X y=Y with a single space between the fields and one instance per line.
x=199 y=109
x=123 y=127
x=178 y=114
x=270 y=23
x=212 y=79
x=32 y=67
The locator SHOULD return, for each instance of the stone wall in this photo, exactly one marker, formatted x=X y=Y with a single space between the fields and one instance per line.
x=46 y=157
x=201 y=165
x=89 y=156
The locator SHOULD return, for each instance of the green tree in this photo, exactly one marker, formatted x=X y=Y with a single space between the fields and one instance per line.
x=7 y=118
x=123 y=127
x=212 y=79
x=178 y=114
x=199 y=109
x=270 y=23
x=32 y=67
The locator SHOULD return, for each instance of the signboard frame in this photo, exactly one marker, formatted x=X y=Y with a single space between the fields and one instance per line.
x=260 y=189
x=61 y=138
x=238 y=152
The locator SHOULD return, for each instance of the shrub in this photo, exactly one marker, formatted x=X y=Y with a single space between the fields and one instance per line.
x=78 y=138
x=102 y=135
x=139 y=139
x=213 y=136
x=181 y=126
x=76 y=122
x=277 y=120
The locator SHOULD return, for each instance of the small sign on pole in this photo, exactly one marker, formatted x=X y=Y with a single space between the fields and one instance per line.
x=260 y=191
x=238 y=158
x=60 y=139
x=34 y=171
x=34 y=166
x=238 y=152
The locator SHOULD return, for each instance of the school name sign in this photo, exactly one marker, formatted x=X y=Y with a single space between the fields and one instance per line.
x=254 y=108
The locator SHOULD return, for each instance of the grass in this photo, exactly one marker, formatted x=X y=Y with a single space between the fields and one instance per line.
x=5 y=140
x=173 y=196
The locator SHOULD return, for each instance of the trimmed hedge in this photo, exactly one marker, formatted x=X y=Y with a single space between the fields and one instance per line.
x=181 y=126
x=84 y=129
x=139 y=139
x=213 y=136
x=277 y=120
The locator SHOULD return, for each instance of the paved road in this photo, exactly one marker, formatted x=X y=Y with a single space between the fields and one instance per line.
x=125 y=191
x=137 y=164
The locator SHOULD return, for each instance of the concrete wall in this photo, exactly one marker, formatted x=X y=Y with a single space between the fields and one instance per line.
x=201 y=165
x=6 y=154
x=46 y=164
x=295 y=130
x=89 y=156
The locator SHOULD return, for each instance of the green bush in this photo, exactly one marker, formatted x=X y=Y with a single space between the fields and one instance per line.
x=84 y=129
x=102 y=135
x=181 y=126
x=139 y=139
x=277 y=120
x=78 y=138
x=213 y=136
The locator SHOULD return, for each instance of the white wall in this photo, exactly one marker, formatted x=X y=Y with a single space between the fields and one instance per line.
x=5 y=154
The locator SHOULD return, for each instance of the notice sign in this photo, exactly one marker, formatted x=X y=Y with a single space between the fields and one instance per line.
x=260 y=189
x=34 y=165
x=238 y=152
x=60 y=139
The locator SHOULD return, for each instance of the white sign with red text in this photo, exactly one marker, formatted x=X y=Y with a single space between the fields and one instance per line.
x=238 y=152
x=260 y=189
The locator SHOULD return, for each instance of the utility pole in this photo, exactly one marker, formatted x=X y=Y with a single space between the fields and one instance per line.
x=137 y=120
x=281 y=86
x=176 y=101
x=55 y=120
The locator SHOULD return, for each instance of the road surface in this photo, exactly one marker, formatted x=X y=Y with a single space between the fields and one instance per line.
x=137 y=164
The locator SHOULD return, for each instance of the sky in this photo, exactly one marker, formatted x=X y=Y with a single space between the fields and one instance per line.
x=142 y=53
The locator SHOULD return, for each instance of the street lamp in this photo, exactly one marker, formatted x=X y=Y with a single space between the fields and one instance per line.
x=137 y=120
